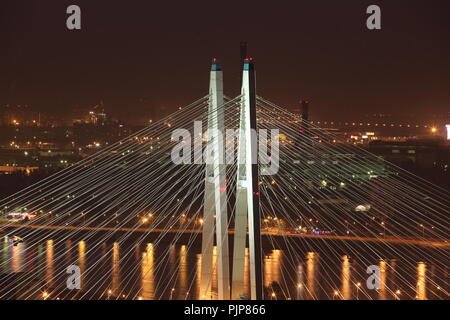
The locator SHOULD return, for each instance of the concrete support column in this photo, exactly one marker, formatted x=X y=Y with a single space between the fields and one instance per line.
x=247 y=206
x=215 y=194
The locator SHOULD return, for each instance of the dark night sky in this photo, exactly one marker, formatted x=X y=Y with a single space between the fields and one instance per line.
x=142 y=55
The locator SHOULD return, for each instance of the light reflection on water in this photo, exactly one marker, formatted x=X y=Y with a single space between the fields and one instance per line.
x=346 y=278
x=147 y=275
x=49 y=260
x=144 y=271
x=421 y=281
x=115 y=273
x=312 y=263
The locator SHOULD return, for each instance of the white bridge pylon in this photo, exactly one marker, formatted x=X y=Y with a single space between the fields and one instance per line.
x=215 y=196
x=247 y=196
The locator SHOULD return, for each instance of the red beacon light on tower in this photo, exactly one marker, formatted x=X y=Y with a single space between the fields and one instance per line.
x=215 y=64
x=248 y=63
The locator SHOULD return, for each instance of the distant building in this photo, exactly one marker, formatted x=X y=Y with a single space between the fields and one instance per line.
x=15 y=169
x=422 y=154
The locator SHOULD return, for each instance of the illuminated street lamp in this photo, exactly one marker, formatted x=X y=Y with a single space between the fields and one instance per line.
x=358 y=285
x=335 y=294
x=384 y=228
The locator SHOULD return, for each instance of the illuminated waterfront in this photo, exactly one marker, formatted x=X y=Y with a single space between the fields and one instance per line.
x=145 y=271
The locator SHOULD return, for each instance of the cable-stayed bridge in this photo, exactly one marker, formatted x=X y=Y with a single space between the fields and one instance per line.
x=206 y=178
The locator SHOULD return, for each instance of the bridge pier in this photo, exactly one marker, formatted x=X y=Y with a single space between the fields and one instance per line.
x=215 y=195
x=247 y=193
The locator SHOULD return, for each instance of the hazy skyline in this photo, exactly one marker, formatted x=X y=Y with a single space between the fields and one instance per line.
x=148 y=58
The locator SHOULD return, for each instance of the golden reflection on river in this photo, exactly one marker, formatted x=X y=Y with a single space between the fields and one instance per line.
x=383 y=276
x=272 y=267
x=183 y=280
x=421 y=281
x=345 y=279
x=49 y=259
x=115 y=273
x=147 y=273
x=17 y=258
x=174 y=272
x=312 y=261
x=300 y=282
x=82 y=261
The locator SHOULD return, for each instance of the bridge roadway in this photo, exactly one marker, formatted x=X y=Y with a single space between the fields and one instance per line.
x=405 y=241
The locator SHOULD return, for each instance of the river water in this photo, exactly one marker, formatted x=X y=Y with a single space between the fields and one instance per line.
x=145 y=271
